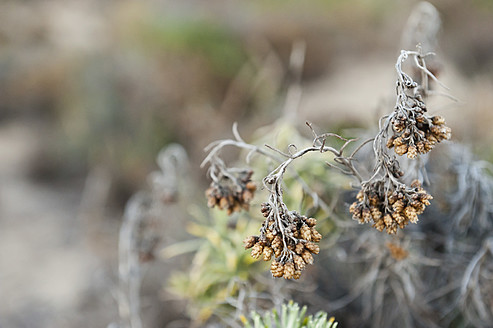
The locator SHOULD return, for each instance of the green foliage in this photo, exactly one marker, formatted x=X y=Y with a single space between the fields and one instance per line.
x=291 y=316
x=220 y=265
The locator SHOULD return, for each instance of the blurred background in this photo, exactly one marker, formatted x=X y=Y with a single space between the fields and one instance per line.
x=90 y=91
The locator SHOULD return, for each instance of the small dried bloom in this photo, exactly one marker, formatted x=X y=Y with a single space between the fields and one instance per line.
x=277 y=269
x=393 y=209
x=257 y=250
x=291 y=247
x=396 y=251
x=289 y=270
x=231 y=194
x=250 y=241
x=267 y=253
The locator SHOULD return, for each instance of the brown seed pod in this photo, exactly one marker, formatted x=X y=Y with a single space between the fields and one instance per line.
x=277 y=269
x=299 y=248
x=299 y=262
x=250 y=241
x=257 y=250
x=267 y=253
x=311 y=222
x=312 y=247
x=316 y=236
x=288 y=270
x=307 y=257
x=305 y=233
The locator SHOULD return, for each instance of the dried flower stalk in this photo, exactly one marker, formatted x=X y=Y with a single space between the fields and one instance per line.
x=289 y=238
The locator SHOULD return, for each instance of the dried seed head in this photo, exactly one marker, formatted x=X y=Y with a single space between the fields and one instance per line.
x=257 y=250
x=305 y=233
x=277 y=242
x=311 y=222
x=307 y=257
x=312 y=247
x=299 y=248
x=250 y=241
x=289 y=270
x=231 y=195
x=412 y=152
x=267 y=253
x=401 y=149
x=396 y=251
x=277 y=269
x=316 y=236
x=438 y=120
x=299 y=262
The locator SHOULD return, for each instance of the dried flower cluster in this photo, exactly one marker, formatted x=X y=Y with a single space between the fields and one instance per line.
x=384 y=200
x=396 y=251
x=290 y=248
x=232 y=193
x=416 y=133
x=389 y=209
x=413 y=131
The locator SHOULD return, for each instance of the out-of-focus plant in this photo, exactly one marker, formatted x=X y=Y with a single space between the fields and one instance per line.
x=290 y=316
x=220 y=281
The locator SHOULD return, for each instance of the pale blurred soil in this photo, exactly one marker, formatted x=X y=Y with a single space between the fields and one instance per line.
x=47 y=270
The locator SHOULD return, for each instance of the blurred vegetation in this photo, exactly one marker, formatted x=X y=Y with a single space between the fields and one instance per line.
x=290 y=316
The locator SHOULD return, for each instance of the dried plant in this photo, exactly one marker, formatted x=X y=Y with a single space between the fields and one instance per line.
x=139 y=235
x=289 y=238
x=476 y=292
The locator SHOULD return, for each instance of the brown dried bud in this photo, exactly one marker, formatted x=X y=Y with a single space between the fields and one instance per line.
x=305 y=233
x=390 y=142
x=257 y=250
x=438 y=120
x=379 y=225
x=265 y=209
x=299 y=262
x=250 y=186
x=307 y=257
x=375 y=213
x=250 y=241
x=297 y=274
x=312 y=247
x=388 y=220
x=412 y=152
x=398 y=142
x=299 y=248
x=311 y=222
x=247 y=195
x=410 y=213
x=288 y=270
x=223 y=203
x=399 y=205
x=374 y=199
x=396 y=251
x=267 y=253
x=401 y=150
x=366 y=214
x=276 y=242
x=277 y=269
x=316 y=236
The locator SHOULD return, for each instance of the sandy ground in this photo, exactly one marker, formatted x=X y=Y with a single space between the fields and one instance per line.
x=47 y=270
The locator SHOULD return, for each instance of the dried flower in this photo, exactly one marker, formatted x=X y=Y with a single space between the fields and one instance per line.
x=231 y=193
x=391 y=207
x=290 y=252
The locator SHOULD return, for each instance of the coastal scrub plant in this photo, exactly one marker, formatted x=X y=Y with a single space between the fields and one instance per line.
x=385 y=200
